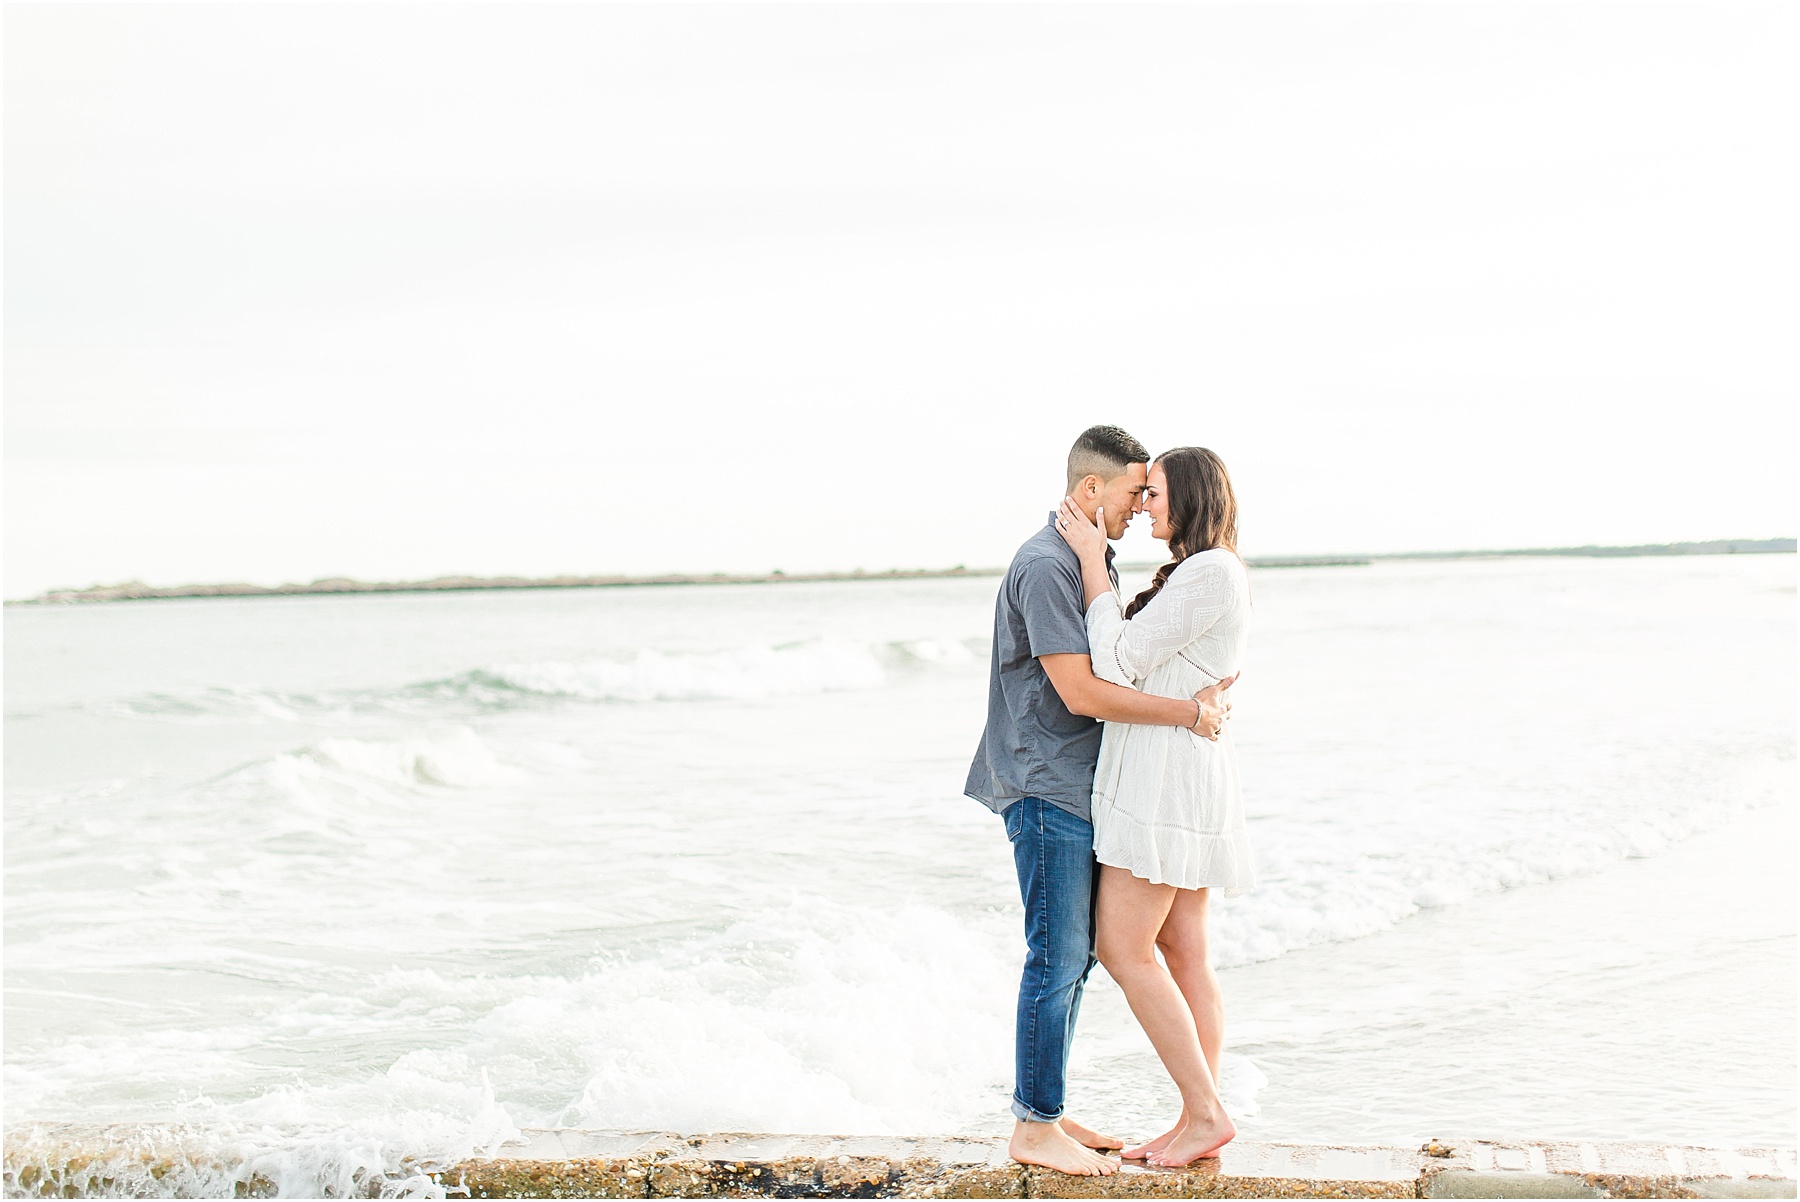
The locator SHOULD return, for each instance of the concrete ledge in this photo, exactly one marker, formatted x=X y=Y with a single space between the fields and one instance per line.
x=565 y=1164
x=561 y=1164
x=61 y=1160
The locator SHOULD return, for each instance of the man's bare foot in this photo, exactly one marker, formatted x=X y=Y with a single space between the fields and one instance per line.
x=1197 y=1140
x=1144 y=1151
x=1089 y=1138
x=1047 y=1144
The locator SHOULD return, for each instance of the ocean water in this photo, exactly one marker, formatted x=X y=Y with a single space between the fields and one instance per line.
x=354 y=885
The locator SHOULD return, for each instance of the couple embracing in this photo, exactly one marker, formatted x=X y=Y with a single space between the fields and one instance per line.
x=1105 y=753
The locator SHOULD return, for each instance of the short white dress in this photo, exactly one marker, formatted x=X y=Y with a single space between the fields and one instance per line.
x=1166 y=801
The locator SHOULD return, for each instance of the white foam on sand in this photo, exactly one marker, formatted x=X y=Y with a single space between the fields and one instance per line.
x=809 y=1018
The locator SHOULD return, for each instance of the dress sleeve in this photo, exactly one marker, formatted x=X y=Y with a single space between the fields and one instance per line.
x=1126 y=652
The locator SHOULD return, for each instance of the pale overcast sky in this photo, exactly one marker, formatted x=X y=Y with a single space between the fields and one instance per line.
x=402 y=291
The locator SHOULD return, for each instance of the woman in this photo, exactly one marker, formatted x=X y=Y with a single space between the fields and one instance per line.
x=1168 y=821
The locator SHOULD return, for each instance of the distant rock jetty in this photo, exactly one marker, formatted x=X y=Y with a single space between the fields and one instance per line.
x=1720 y=546
x=138 y=591
x=333 y=585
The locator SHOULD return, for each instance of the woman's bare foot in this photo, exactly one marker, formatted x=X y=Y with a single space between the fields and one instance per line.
x=1144 y=1151
x=1089 y=1138
x=1197 y=1140
x=1047 y=1144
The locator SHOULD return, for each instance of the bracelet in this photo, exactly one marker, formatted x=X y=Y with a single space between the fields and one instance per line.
x=1198 y=711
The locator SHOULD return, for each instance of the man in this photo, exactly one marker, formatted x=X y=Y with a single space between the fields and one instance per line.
x=1035 y=767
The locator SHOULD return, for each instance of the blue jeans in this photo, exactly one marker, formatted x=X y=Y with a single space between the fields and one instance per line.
x=1054 y=853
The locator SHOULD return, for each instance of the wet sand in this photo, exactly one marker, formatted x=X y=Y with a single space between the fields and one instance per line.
x=1636 y=993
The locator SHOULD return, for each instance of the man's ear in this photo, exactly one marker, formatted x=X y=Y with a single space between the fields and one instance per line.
x=1089 y=486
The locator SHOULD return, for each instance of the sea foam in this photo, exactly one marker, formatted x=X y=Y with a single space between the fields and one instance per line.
x=740 y=673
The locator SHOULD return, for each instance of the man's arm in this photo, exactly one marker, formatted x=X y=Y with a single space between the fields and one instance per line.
x=1088 y=695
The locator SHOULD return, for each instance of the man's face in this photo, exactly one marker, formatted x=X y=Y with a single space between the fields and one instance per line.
x=1122 y=497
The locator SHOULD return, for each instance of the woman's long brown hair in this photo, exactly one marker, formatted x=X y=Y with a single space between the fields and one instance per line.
x=1202 y=511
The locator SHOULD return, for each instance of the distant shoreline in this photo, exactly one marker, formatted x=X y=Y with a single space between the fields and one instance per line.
x=337 y=585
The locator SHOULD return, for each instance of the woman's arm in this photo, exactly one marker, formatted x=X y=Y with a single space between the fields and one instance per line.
x=1126 y=652
x=1073 y=678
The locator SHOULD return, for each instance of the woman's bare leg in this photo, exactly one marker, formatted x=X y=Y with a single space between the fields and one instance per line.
x=1132 y=913
x=1182 y=942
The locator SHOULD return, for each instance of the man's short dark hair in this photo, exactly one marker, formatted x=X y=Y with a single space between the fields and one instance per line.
x=1103 y=451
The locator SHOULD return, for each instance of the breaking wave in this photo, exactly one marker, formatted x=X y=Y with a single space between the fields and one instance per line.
x=736 y=674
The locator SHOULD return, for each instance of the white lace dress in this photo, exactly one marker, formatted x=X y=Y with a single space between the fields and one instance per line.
x=1166 y=802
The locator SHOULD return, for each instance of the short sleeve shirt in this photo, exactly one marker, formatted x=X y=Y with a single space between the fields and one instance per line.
x=1033 y=746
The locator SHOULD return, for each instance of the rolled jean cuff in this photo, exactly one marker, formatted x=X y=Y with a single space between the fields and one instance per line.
x=1026 y=1114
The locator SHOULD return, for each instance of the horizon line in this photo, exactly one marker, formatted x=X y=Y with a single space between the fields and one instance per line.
x=342 y=585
